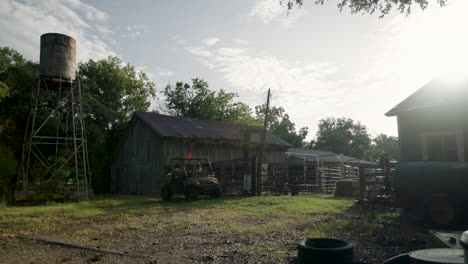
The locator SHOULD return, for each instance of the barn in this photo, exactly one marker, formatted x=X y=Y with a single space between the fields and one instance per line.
x=152 y=140
x=433 y=122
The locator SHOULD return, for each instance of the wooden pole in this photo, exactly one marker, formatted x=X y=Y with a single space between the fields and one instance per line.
x=362 y=181
x=265 y=126
x=263 y=141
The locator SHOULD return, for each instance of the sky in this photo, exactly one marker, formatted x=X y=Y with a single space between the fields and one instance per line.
x=319 y=62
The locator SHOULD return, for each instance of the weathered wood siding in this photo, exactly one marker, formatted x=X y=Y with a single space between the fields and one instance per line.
x=138 y=161
x=412 y=125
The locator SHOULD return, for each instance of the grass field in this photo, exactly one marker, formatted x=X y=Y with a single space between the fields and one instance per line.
x=231 y=229
x=54 y=216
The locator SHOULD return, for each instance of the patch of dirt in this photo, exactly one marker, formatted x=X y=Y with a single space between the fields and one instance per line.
x=190 y=237
x=387 y=241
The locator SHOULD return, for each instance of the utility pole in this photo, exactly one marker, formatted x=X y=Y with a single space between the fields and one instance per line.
x=262 y=169
x=265 y=125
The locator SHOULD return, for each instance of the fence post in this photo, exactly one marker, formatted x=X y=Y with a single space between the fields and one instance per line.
x=304 y=173
x=362 y=180
x=320 y=178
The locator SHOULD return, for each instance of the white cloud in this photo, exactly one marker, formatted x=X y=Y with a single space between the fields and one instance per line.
x=425 y=45
x=240 y=41
x=164 y=72
x=245 y=71
x=199 y=51
x=22 y=24
x=296 y=84
x=273 y=10
x=134 y=31
x=430 y=43
x=103 y=29
x=210 y=41
x=91 y=12
x=230 y=52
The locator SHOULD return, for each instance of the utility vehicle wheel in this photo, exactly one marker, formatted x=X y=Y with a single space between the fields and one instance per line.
x=217 y=194
x=166 y=193
x=442 y=212
x=191 y=193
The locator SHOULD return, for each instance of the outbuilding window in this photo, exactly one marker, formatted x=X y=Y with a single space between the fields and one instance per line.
x=443 y=146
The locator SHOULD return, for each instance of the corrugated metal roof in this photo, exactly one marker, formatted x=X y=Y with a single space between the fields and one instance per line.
x=324 y=156
x=181 y=127
x=435 y=93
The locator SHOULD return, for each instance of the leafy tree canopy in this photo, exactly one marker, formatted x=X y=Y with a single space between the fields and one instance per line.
x=280 y=125
x=384 y=144
x=112 y=91
x=8 y=165
x=198 y=101
x=17 y=75
x=15 y=71
x=371 y=6
x=342 y=135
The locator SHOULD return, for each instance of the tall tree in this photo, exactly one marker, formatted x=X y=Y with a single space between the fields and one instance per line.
x=342 y=135
x=281 y=125
x=112 y=91
x=371 y=6
x=8 y=165
x=386 y=144
x=198 y=101
x=17 y=76
x=10 y=61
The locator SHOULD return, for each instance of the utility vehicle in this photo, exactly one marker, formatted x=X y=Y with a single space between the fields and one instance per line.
x=190 y=176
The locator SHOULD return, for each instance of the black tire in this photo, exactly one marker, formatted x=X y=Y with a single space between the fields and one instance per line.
x=191 y=193
x=216 y=194
x=166 y=193
x=442 y=212
x=325 y=250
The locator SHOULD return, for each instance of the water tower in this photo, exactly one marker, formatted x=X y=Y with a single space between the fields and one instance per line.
x=55 y=157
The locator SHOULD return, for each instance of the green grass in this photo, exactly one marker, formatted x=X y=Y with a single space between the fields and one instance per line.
x=371 y=224
x=149 y=212
x=345 y=228
x=269 y=224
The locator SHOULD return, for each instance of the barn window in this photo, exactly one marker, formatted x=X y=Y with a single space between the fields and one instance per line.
x=443 y=146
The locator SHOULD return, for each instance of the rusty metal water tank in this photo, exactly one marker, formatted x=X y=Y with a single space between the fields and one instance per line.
x=58 y=56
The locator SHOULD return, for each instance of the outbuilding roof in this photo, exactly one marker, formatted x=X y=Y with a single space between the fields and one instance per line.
x=182 y=127
x=437 y=92
x=298 y=154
